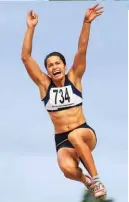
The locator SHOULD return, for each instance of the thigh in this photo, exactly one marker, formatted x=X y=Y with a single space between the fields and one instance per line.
x=89 y=138
x=87 y=135
x=67 y=157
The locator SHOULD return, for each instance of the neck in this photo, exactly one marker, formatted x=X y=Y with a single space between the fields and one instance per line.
x=60 y=83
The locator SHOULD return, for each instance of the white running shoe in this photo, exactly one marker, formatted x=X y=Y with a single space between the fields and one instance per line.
x=98 y=190
x=89 y=183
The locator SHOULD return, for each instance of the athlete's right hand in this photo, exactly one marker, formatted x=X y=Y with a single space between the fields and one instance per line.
x=32 y=19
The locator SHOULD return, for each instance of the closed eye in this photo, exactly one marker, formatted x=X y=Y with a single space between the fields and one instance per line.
x=50 y=65
x=57 y=63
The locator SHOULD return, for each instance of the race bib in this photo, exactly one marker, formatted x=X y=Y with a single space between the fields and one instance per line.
x=62 y=96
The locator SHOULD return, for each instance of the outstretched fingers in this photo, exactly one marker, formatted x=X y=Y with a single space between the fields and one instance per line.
x=94 y=7
x=99 y=13
x=98 y=9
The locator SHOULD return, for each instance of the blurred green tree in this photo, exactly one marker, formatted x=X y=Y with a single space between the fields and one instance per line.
x=87 y=197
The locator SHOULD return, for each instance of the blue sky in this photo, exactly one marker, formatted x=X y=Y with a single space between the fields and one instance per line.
x=28 y=168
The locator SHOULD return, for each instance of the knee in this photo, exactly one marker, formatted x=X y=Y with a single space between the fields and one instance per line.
x=68 y=170
x=75 y=138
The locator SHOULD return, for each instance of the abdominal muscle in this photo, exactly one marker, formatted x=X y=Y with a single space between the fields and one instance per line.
x=68 y=119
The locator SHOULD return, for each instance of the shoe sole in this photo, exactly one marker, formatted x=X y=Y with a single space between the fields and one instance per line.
x=101 y=195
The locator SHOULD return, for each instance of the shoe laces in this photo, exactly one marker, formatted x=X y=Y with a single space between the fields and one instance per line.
x=95 y=186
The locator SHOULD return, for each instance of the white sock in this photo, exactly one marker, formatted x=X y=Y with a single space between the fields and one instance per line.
x=88 y=181
x=96 y=178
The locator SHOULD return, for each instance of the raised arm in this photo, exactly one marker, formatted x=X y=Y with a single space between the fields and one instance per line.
x=30 y=64
x=79 y=64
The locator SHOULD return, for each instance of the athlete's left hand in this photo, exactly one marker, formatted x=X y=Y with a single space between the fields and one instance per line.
x=93 y=12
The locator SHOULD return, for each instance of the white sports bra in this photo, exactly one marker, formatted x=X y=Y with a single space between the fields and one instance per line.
x=61 y=98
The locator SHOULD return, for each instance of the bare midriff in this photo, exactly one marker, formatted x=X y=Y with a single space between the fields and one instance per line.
x=68 y=119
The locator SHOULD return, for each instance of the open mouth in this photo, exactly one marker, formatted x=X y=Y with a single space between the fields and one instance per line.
x=57 y=73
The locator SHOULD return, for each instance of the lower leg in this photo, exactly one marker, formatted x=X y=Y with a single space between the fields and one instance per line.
x=86 y=157
x=76 y=174
x=97 y=188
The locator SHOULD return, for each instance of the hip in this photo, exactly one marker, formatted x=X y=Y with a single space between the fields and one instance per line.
x=61 y=139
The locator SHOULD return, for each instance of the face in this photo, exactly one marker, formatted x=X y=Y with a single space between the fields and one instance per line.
x=55 y=68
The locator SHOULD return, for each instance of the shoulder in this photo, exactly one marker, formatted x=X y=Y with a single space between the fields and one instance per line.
x=44 y=85
x=46 y=80
x=76 y=81
x=73 y=77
